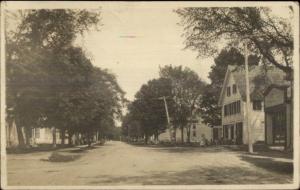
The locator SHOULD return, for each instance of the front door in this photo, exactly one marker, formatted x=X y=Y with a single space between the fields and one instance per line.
x=279 y=128
x=239 y=133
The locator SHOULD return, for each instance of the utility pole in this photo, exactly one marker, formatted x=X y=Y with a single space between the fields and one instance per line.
x=249 y=127
x=166 y=108
x=168 y=117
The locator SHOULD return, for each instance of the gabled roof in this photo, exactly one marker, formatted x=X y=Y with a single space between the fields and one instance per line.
x=260 y=77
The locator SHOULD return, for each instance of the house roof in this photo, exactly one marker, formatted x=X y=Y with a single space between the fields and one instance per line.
x=260 y=77
x=280 y=86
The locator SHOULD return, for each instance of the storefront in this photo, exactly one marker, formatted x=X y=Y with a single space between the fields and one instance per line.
x=278 y=116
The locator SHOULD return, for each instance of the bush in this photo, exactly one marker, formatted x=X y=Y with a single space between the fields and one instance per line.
x=57 y=157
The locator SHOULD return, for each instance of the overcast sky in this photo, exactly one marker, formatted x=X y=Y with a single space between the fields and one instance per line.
x=135 y=40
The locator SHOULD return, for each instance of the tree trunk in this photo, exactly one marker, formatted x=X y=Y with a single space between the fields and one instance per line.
x=182 y=140
x=20 y=137
x=97 y=137
x=188 y=131
x=70 y=134
x=54 y=137
x=156 y=136
x=9 y=129
x=63 y=136
x=27 y=136
x=146 y=138
x=175 y=136
x=89 y=142
x=76 y=138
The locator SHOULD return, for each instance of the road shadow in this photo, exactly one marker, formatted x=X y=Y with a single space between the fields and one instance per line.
x=59 y=157
x=263 y=150
x=193 y=149
x=259 y=150
x=79 y=150
x=40 y=148
x=68 y=155
x=270 y=164
x=83 y=149
x=174 y=149
x=50 y=148
x=197 y=176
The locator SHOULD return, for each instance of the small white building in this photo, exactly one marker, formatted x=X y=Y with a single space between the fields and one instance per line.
x=198 y=131
x=37 y=136
x=45 y=136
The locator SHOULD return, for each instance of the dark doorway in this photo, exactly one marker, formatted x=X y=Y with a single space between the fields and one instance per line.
x=239 y=133
x=279 y=127
x=225 y=132
x=231 y=132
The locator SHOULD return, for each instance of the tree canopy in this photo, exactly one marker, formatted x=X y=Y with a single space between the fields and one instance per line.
x=51 y=82
x=180 y=87
x=187 y=90
x=270 y=37
x=147 y=113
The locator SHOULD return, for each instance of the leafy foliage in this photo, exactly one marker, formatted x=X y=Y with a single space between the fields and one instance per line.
x=270 y=36
x=147 y=115
x=51 y=82
x=182 y=89
x=187 y=89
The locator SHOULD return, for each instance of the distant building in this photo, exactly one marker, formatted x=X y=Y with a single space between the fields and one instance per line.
x=279 y=115
x=45 y=136
x=37 y=136
x=233 y=102
x=198 y=131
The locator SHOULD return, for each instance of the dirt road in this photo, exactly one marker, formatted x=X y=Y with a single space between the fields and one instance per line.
x=118 y=163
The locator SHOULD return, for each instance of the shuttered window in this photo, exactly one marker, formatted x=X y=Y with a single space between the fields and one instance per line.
x=232 y=108
x=228 y=91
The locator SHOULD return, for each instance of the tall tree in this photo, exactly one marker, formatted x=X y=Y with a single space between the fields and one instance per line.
x=42 y=63
x=147 y=110
x=131 y=127
x=270 y=36
x=187 y=89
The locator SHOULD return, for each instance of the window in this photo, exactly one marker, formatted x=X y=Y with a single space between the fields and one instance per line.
x=194 y=126
x=228 y=91
x=257 y=105
x=234 y=89
x=232 y=108
x=226 y=110
x=238 y=104
x=225 y=131
x=194 y=133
